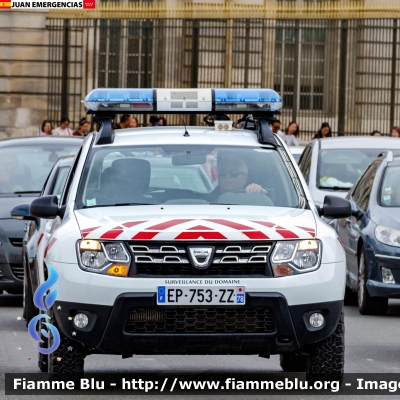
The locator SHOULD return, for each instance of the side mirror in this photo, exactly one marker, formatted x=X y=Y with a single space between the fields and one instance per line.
x=45 y=207
x=335 y=208
x=355 y=211
x=21 y=211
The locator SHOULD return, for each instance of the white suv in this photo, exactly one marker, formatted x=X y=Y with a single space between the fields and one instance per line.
x=220 y=251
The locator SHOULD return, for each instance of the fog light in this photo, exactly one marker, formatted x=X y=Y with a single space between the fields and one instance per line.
x=316 y=320
x=387 y=276
x=81 y=320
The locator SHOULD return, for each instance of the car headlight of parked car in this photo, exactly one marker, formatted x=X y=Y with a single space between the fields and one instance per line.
x=387 y=235
x=296 y=257
x=109 y=258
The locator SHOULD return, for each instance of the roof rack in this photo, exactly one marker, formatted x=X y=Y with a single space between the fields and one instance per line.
x=261 y=103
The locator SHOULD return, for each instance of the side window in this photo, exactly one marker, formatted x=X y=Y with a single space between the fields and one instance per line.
x=363 y=189
x=60 y=182
x=305 y=163
x=70 y=178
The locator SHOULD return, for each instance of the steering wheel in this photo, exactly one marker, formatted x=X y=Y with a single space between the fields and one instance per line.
x=239 y=191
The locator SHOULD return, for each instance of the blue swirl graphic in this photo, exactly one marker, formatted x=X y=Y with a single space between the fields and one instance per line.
x=33 y=334
x=43 y=288
x=49 y=299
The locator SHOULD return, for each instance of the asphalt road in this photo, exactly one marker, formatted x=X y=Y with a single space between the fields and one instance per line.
x=372 y=345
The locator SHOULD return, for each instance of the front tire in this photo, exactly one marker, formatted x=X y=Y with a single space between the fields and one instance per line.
x=368 y=305
x=67 y=361
x=326 y=358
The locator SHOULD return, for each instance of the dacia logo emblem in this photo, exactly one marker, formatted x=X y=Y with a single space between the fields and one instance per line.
x=201 y=257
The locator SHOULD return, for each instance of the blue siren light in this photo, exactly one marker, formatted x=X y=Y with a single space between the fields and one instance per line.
x=247 y=100
x=120 y=100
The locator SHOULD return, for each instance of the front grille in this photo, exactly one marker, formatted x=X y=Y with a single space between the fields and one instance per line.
x=17 y=242
x=17 y=270
x=200 y=320
x=229 y=259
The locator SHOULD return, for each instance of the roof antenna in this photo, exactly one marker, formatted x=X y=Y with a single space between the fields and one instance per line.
x=184 y=123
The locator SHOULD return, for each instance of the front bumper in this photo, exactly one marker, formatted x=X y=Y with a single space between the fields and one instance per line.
x=12 y=277
x=380 y=289
x=375 y=286
x=11 y=268
x=106 y=331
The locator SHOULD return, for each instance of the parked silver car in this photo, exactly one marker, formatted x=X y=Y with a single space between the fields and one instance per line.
x=25 y=164
x=332 y=165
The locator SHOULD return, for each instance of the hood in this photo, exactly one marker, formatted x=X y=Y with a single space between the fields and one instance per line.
x=8 y=203
x=387 y=216
x=179 y=223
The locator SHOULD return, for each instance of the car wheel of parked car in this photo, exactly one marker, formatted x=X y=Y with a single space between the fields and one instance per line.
x=66 y=362
x=30 y=310
x=293 y=362
x=368 y=305
x=326 y=358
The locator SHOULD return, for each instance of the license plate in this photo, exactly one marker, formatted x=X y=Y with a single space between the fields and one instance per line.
x=204 y=295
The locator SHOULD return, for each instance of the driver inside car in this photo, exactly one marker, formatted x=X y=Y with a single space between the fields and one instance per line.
x=232 y=176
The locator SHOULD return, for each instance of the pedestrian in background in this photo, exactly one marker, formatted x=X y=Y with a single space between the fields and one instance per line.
x=162 y=121
x=46 y=128
x=276 y=128
x=154 y=121
x=134 y=123
x=63 y=129
x=83 y=128
x=124 y=122
x=324 y=132
x=375 y=133
x=291 y=132
x=395 y=131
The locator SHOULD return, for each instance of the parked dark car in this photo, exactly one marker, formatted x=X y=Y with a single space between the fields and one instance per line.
x=371 y=237
x=37 y=235
x=25 y=164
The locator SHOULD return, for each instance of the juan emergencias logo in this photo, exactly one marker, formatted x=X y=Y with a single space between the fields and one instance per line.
x=83 y=4
x=43 y=301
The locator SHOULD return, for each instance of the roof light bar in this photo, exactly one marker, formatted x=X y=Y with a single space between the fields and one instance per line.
x=246 y=100
x=120 y=101
x=184 y=101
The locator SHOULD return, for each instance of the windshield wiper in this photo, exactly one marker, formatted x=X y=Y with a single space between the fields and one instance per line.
x=335 y=187
x=121 y=204
x=28 y=191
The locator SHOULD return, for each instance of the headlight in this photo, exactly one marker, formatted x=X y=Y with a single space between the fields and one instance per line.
x=387 y=235
x=296 y=256
x=103 y=258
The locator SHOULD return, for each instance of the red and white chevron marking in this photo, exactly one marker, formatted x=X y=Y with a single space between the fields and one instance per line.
x=198 y=229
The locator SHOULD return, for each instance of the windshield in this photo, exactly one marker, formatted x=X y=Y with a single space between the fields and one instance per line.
x=390 y=189
x=338 y=169
x=186 y=175
x=25 y=169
